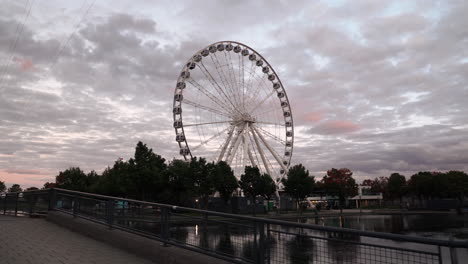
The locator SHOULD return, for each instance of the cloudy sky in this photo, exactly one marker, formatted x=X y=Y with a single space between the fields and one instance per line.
x=374 y=86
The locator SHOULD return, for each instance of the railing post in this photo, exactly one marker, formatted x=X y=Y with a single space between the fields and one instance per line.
x=453 y=253
x=31 y=203
x=268 y=240
x=16 y=204
x=165 y=225
x=110 y=206
x=75 y=205
x=261 y=243
x=52 y=199
x=5 y=204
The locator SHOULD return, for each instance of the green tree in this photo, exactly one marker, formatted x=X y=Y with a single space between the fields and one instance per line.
x=2 y=186
x=201 y=182
x=15 y=188
x=267 y=186
x=396 y=186
x=114 y=181
x=225 y=182
x=298 y=184
x=251 y=184
x=178 y=178
x=146 y=170
x=32 y=189
x=49 y=185
x=341 y=184
x=72 y=179
x=428 y=184
x=457 y=186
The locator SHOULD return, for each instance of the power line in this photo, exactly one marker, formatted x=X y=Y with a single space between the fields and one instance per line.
x=75 y=28
x=14 y=44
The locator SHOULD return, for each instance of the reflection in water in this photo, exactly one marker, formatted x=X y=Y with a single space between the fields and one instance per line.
x=225 y=244
x=285 y=246
x=248 y=251
x=340 y=249
x=300 y=249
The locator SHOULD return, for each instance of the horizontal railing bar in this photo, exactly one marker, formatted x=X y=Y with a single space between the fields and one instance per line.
x=424 y=240
x=357 y=243
x=158 y=238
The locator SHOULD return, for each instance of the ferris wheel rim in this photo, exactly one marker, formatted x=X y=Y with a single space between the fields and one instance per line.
x=183 y=144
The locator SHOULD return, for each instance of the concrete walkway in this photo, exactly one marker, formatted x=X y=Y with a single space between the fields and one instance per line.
x=35 y=240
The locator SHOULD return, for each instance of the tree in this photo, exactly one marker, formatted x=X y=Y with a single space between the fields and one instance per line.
x=32 y=189
x=201 y=183
x=49 y=185
x=251 y=184
x=2 y=186
x=15 y=188
x=223 y=178
x=457 y=186
x=72 y=179
x=340 y=183
x=145 y=172
x=396 y=186
x=177 y=176
x=428 y=184
x=377 y=185
x=114 y=181
x=267 y=186
x=298 y=184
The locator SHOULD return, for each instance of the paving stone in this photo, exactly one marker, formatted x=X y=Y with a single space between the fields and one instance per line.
x=34 y=240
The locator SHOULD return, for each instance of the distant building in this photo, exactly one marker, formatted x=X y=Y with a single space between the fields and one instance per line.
x=365 y=198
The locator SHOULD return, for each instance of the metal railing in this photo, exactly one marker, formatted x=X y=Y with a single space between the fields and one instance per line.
x=237 y=238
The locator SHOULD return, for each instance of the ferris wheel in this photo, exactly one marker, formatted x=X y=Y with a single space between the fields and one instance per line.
x=230 y=105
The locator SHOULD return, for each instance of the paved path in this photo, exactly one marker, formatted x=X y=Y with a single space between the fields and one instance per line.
x=28 y=240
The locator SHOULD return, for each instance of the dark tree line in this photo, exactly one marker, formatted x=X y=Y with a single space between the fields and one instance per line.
x=424 y=185
x=147 y=176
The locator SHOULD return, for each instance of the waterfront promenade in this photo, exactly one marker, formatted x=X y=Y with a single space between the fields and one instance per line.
x=36 y=240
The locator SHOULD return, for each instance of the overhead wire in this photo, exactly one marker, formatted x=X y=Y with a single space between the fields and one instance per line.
x=12 y=48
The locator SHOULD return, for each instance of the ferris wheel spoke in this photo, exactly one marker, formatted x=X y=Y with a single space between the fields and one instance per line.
x=272 y=151
x=211 y=138
x=248 y=145
x=209 y=95
x=267 y=111
x=234 y=146
x=232 y=76
x=223 y=77
x=260 y=151
x=256 y=106
x=255 y=154
x=216 y=86
x=197 y=105
x=226 y=144
x=272 y=136
x=207 y=123
x=269 y=123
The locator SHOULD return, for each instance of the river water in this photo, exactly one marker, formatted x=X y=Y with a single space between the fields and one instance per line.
x=439 y=226
x=293 y=245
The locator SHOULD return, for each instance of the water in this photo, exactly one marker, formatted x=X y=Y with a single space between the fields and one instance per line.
x=438 y=226
x=311 y=246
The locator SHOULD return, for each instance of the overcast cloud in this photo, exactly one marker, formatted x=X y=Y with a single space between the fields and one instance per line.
x=375 y=86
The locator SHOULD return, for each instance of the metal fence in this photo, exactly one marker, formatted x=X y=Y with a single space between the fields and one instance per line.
x=237 y=238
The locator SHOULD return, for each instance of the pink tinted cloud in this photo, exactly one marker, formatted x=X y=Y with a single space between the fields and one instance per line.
x=335 y=127
x=313 y=116
x=25 y=64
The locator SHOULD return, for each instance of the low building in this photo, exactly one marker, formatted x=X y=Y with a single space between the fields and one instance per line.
x=365 y=198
